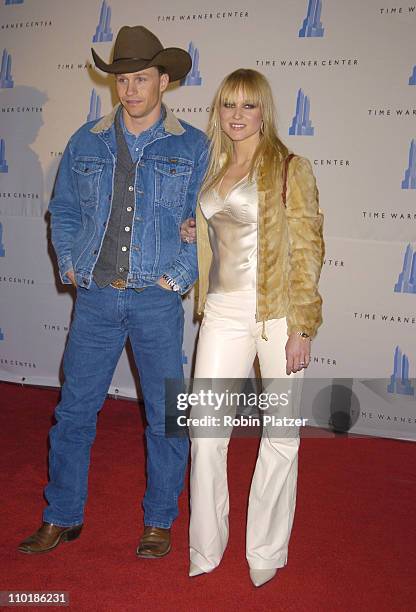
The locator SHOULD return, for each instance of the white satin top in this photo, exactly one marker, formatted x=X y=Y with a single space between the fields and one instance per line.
x=232 y=230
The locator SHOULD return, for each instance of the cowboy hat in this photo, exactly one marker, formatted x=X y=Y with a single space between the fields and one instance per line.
x=136 y=48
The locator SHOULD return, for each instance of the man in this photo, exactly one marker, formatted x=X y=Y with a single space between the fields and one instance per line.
x=125 y=184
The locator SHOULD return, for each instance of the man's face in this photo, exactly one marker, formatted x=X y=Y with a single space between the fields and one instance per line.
x=140 y=93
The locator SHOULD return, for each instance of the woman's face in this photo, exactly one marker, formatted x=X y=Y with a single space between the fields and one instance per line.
x=240 y=119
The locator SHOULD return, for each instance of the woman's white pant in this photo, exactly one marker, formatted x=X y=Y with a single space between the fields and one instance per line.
x=229 y=340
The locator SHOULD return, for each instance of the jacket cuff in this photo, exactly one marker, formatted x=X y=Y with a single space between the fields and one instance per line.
x=298 y=322
x=181 y=278
x=65 y=265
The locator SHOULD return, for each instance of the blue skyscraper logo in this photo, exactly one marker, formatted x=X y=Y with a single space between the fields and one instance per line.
x=399 y=380
x=194 y=76
x=95 y=107
x=406 y=283
x=184 y=358
x=301 y=124
x=3 y=163
x=103 y=32
x=312 y=26
x=6 y=80
x=1 y=335
x=409 y=181
x=2 y=250
x=14 y=2
x=412 y=78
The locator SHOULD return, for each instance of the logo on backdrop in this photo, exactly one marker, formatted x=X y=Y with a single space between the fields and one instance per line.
x=385 y=317
x=312 y=26
x=412 y=78
x=55 y=327
x=320 y=360
x=184 y=358
x=398 y=113
x=35 y=24
x=296 y=62
x=17 y=363
x=332 y=163
x=95 y=106
x=204 y=16
x=333 y=263
x=1 y=335
x=13 y=2
x=399 y=380
x=406 y=282
x=2 y=250
x=190 y=110
x=3 y=163
x=409 y=181
x=301 y=124
x=103 y=31
x=16 y=280
x=194 y=76
x=398 y=10
x=6 y=79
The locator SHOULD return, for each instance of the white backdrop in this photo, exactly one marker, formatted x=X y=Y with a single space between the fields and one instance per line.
x=356 y=64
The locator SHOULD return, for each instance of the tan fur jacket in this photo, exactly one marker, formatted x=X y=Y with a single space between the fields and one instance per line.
x=290 y=251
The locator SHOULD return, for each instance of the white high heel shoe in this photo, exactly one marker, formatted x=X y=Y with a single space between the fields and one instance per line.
x=261 y=576
x=194 y=570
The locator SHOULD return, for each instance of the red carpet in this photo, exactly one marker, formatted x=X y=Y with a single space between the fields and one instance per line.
x=353 y=545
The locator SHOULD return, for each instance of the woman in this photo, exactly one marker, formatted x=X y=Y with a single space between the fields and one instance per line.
x=259 y=264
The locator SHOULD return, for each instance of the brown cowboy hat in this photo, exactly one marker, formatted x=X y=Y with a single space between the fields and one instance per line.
x=136 y=48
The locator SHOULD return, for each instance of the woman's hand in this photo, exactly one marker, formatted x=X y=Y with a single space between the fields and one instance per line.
x=298 y=353
x=188 y=231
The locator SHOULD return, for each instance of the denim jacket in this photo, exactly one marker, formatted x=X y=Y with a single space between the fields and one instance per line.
x=167 y=180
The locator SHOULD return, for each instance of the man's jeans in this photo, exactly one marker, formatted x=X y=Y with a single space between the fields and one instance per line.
x=103 y=319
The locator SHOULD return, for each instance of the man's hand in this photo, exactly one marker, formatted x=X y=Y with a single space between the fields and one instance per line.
x=188 y=230
x=162 y=282
x=298 y=353
x=71 y=275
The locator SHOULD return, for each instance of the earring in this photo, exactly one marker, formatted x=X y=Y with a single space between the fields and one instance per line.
x=262 y=128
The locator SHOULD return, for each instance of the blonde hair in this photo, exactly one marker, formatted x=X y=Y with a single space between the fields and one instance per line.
x=269 y=153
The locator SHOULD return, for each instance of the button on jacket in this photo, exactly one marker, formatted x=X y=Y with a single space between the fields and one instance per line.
x=168 y=176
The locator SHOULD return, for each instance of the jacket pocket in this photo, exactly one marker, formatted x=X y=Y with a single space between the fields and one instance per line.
x=87 y=174
x=171 y=182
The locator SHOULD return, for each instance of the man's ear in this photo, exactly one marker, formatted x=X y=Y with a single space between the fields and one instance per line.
x=164 y=82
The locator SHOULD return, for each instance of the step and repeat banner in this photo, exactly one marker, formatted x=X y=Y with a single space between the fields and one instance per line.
x=344 y=78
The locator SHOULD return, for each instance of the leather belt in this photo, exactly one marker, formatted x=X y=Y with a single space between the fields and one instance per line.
x=121 y=284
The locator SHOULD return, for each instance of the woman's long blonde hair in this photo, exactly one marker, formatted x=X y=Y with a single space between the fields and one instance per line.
x=270 y=151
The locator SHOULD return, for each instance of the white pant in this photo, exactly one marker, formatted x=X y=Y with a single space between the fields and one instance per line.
x=229 y=340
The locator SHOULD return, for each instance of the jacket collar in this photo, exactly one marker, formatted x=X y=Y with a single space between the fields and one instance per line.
x=171 y=124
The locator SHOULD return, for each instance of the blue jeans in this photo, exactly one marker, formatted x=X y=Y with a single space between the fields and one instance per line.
x=103 y=319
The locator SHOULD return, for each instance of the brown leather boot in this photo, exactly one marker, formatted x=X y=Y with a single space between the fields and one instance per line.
x=155 y=543
x=48 y=537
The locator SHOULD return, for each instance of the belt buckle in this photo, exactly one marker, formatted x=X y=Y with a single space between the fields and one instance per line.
x=119 y=283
